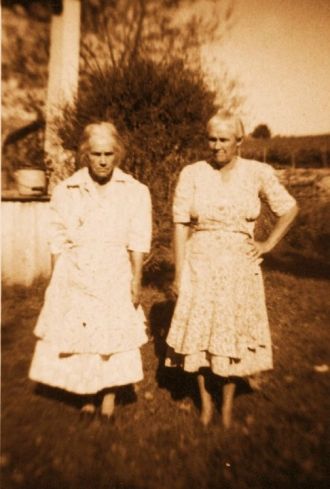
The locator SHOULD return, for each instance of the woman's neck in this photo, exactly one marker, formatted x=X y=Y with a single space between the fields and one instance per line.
x=101 y=188
x=226 y=167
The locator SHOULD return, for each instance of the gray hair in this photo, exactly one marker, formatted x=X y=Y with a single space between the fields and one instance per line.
x=102 y=127
x=226 y=116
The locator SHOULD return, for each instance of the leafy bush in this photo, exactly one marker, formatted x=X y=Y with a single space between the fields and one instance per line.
x=160 y=109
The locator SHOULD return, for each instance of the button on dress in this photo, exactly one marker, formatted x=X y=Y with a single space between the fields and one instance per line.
x=220 y=319
x=89 y=331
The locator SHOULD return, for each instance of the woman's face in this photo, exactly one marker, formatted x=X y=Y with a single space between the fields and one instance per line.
x=223 y=142
x=101 y=156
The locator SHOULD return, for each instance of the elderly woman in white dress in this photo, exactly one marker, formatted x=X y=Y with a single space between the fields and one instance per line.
x=220 y=321
x=91 y=325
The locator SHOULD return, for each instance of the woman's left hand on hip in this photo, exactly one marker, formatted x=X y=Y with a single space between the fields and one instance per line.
x=257 y=249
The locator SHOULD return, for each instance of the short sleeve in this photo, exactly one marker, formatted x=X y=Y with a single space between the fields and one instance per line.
x=183 y=197
x=140 y=229
x=277 y=196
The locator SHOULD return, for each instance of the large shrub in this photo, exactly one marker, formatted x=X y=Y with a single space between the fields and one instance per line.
x=159 y=108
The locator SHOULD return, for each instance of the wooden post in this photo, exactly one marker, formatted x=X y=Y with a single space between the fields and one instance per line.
x=62 y=80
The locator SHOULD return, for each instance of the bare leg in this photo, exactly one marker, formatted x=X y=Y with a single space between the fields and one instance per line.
x=89 y=405
x=228 y=392
x=255 y=382
x=108 y=404
x=206 y=401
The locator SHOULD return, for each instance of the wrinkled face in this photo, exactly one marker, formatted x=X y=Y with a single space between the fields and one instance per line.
x=223 y=142
x=101 y=156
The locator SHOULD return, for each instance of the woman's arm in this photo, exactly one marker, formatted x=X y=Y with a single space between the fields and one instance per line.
x=139 y=238
x=281 y=227
x=136 y=258
x=60 y=208
x=181 y=234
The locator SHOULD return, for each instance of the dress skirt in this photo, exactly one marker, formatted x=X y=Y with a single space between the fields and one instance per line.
x=89 y=333
x=220 y=320
x=86 y=373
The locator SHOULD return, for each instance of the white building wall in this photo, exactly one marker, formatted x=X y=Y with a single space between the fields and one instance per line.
x=24 y=249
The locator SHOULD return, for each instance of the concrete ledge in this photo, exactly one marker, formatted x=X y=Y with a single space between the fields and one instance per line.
x=15 y=196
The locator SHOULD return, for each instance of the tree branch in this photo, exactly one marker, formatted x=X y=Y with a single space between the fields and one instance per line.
x=139 y=30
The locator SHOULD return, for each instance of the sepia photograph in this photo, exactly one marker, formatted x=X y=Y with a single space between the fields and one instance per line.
x=165 y=244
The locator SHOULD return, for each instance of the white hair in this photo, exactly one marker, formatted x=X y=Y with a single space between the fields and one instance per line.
x=226 y=116
x=101 y=128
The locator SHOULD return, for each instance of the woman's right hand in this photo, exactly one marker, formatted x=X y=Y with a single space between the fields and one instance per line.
x=136 y=292
x=181 y=233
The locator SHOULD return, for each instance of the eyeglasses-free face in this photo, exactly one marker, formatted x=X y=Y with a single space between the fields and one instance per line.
x=223 y=142
x=101 y=157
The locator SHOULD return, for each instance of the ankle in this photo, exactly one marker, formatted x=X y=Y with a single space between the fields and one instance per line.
x=108 y=404
x=88 y=408
x=226 y=419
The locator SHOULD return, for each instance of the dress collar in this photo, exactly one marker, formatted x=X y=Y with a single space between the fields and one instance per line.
x=120 y=176
x=212 y=169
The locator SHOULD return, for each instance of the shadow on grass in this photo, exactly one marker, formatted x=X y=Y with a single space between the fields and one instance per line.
x=182 y=384
x=124 y=395
x=174 y=379
x=298 y=265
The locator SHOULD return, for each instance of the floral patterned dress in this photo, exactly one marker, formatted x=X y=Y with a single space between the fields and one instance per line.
x=220 y=320
x=89 y=331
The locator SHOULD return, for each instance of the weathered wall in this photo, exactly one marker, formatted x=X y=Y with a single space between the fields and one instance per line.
x=24 y=250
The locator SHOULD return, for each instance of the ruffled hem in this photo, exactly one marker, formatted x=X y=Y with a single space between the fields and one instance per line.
x=84 y=373
x=253 y=362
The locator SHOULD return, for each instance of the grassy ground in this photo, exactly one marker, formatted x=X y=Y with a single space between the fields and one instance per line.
x=279 y=440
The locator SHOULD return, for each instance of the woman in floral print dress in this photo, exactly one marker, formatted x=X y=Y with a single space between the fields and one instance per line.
x=91 y=325
x=220 y=320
